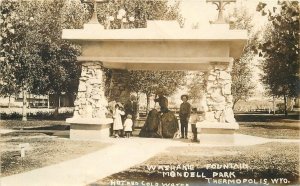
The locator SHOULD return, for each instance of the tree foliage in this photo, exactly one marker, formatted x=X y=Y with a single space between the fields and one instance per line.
x=196 y=85
x=135 y=13
x=7 y=85
x=280 y=49
x=34 y=57
x=149 y=82
x=242 y=71
x=59 y=71
x=18 y=62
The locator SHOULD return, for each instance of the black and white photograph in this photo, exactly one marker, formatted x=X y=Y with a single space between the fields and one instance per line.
x=149 y=92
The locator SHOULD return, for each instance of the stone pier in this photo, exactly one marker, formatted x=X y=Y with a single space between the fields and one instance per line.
x=219 y=124
x=89 y=121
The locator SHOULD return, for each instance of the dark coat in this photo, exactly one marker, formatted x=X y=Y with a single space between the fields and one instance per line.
x=163 y=103
x=131 y=108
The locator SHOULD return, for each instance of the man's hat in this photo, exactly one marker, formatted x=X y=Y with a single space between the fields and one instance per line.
x=187 y=97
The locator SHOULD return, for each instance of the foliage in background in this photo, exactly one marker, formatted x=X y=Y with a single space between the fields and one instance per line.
x=149 y=82
x=34 y=58
x=7 y=80
x=18 y=62
x=242 y=71
x=41 y=115
x=60 y=73
x=18 y=47
x=135 y=13
x=280 y=49
x=196 y=85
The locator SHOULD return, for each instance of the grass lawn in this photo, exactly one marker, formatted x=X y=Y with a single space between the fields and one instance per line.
x=277 y=130
x=267 y=161
x=44 y=150
x=272 y=160
x=18 y=124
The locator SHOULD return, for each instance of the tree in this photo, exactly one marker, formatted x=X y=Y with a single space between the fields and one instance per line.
x=280 y=49
x=196 y=85
x=34 y=56
x=7 y=85
x=133 y=14
x=242 y=73
x=59 y=69
x=149 y=82
x=18 y=46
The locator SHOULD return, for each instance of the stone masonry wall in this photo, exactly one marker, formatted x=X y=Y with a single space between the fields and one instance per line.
x=218 y=94
x=91 y=101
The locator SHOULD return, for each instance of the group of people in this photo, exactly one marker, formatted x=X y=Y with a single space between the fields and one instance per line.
x=124 y=118
x=187 y=115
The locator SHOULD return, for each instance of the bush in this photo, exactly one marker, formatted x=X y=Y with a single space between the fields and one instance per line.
x=38 y=115
x=13 y=115
x=51 y=116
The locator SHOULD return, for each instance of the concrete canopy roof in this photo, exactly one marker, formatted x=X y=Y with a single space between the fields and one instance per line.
x=163 y=44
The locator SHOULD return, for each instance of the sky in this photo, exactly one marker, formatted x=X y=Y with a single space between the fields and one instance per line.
x=198 y=11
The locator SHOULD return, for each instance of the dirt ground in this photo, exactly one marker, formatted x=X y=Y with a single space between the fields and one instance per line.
x=43 y=150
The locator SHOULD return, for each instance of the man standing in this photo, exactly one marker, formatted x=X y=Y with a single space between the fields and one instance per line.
x=184 y=115
x=131 y=108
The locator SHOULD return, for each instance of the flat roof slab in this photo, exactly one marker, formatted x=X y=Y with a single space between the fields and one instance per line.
x=162 y=45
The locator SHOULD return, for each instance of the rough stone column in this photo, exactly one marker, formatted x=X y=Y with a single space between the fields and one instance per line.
x=218 y=93
x=91 y=101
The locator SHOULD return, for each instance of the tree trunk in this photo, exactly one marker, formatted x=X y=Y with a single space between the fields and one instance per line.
x=138 y=105
x=56 y=102
x=59 y=104
x=9 y=101
x=285 y=106
x=234 y=103
x=28 y=101
x=274 y=112
x=24 y=109
x=48 y=102
x=148 y=104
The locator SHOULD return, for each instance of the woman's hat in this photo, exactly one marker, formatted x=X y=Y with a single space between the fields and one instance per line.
x=119 y=104
x=187 y=97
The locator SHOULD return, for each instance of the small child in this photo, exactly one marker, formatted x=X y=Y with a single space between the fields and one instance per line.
x=194 y=118
x=128 y=126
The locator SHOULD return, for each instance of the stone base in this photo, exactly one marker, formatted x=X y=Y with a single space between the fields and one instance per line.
x=89 y=128
x=216 y=133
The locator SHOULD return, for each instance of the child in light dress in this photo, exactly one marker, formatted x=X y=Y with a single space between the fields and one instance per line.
x=117 y=125
x=128 y=126
x=194 y=118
